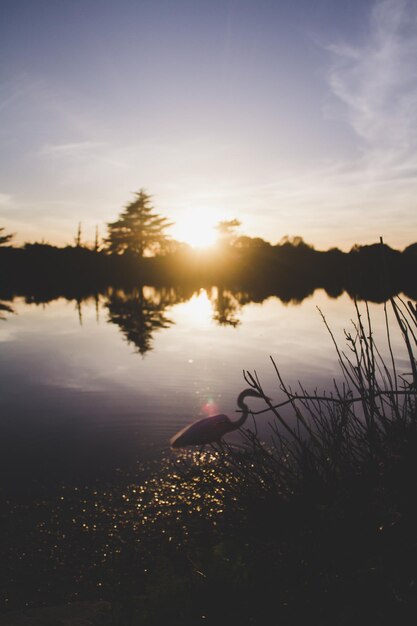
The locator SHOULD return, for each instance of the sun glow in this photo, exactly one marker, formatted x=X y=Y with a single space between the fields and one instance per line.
x=196 y=313
x=199 y=231
x=199 y=309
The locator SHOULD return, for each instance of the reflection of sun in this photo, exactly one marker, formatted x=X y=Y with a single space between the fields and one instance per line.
x=199 y=308
x=197 y=230
x=196 y=313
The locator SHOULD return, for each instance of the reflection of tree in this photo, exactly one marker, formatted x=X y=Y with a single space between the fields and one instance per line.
x=139 y=313
x=5 y=308
x=226 y=307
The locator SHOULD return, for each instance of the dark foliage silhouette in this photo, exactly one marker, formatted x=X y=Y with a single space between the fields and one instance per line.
x=5 y=238
x=291 y=270
x=139 y=229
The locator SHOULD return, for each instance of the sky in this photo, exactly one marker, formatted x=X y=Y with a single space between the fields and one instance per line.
x=296 y=117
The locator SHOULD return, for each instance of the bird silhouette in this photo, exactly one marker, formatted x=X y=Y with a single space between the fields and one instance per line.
x=212 y=429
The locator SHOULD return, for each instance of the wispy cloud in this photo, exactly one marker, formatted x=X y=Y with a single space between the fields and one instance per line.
x=92 y=154
x=377 y=83
x=356 y=199
x=75 y=149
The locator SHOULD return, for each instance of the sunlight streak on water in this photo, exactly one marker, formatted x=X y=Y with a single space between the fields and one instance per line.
x=197 y=312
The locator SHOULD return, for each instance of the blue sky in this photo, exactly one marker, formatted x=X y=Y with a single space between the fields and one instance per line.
x=298 y=118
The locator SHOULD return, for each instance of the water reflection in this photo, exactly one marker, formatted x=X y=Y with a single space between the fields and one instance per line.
x=227 y=305
x=5 y=308
x=140 y=313
x=75 y=402
x=143 y=311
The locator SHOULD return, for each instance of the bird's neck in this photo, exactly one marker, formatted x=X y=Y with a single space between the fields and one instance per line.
x=242 y=419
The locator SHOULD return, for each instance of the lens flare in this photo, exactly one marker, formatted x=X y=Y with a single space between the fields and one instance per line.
x=210 y=408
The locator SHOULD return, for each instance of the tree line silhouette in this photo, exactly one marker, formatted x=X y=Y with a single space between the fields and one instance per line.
x=138 y=251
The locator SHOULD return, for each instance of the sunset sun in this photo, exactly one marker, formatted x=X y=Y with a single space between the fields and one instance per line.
x=197 y=231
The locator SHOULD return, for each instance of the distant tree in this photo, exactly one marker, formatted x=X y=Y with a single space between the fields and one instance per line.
x=139 y=229
x=227 y=228
x=96 y=241
x=252 y=243
x=78 y=236
x=5 y=238
x=295 y=242
x=227 y=231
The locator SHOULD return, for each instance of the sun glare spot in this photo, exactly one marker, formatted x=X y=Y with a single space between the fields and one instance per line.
x=199 y=309
x=196 y=313
x=199 y=231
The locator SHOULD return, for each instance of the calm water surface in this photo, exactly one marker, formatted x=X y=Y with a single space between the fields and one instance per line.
x=91 y=387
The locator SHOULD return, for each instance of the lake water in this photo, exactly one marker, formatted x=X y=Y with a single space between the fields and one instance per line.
x=90 y=387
